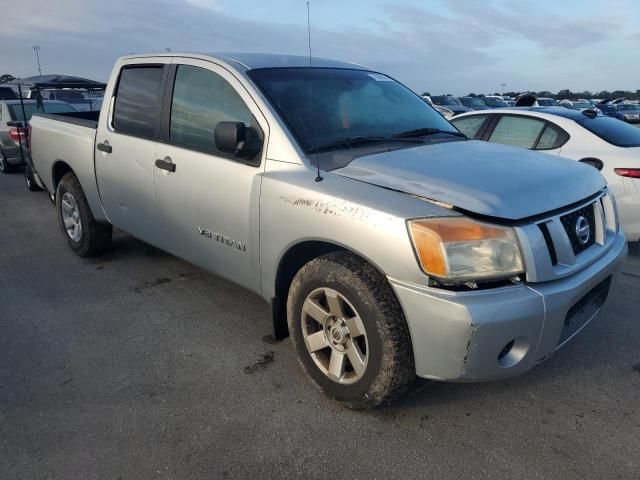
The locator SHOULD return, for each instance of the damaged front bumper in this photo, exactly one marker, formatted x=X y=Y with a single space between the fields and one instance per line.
x=502 y=332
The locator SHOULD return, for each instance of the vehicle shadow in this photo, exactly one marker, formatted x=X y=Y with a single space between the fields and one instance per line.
x=124 y=246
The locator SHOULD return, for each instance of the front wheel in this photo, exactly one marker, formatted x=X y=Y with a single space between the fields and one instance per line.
x=84 y=234
x=349 y=331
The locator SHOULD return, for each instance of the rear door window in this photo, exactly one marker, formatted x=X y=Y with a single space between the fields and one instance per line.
x=552 y=137
x=517 y=131
x=470 y=125
x=138 y=101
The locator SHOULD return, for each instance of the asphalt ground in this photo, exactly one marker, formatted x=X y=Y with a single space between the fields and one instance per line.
x=138 y=365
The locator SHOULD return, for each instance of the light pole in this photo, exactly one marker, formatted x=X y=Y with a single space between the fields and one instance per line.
x=36 y=48
x=503 y=85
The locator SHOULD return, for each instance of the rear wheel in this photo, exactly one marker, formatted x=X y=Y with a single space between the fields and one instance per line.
x=5 y=167
x=84 y=234
x=30 y=180
x=349 y=331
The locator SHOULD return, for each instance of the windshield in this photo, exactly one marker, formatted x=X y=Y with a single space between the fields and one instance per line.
x=31 y=108
x=322 y=106
x=445 y=100
x=613 y=131
x=627 y=107
x=472 y=102
x=547 y=102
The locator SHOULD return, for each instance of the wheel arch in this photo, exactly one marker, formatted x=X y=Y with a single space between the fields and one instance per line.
x=291 y=261
x=60 y=169
x=594 y=162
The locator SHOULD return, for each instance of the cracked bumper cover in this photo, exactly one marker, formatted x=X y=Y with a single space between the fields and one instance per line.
x=459 y=336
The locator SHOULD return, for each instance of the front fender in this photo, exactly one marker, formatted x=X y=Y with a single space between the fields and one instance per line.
x=363 y=218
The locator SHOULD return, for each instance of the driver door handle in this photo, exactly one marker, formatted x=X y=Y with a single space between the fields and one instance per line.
x=166 y=164
x=104 y=147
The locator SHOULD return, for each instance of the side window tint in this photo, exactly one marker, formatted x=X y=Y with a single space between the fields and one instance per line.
x=517 y=131
x=201 y=99
x=549 y=139
x=138 y=100
x=469 y=125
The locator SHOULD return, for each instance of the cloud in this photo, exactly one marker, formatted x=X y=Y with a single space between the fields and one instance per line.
x=456 y=47
x=206 y=4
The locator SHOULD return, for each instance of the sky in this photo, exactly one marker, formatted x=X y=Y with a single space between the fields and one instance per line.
x=439 y=46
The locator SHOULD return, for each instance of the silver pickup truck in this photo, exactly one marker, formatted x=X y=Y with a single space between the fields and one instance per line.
x=388 y=245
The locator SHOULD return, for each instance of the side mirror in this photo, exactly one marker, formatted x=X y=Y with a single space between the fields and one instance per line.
x=235 y=138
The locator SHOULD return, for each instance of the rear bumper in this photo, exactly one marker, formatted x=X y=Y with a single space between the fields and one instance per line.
x=463 y=336
x=13 y=156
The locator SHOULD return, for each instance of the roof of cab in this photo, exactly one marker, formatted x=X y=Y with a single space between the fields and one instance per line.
x=252 y=61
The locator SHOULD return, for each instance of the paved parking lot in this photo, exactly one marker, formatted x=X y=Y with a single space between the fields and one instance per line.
x=138 y=365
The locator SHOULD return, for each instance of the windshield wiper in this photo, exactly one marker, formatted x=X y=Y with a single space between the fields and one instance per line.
x=358 y=140
x=421 y=132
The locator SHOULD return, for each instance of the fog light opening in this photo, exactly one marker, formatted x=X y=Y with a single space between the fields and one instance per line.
x=505 y=350
x=513 y=352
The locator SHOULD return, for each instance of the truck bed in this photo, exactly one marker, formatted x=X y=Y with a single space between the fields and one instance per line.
x=65 y=141
x=84 y=119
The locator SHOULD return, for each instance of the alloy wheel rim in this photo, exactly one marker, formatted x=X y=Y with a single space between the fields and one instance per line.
x=334 y=336
x=71 y=217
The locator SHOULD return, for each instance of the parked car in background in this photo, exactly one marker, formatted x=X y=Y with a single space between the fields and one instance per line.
x=589 y=137
x=7 y=93
x=11 y=136
x=547 y=102
x=627 y=112
x=386 y=243
x=493 y=101
x=444 y=111
x=452 y=103
x=581 y=104
x=473 y=103
x=70 y=96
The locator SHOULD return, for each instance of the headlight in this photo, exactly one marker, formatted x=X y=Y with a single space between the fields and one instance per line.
x=458 y=249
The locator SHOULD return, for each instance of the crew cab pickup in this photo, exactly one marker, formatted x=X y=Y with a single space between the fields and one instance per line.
x=388 y=245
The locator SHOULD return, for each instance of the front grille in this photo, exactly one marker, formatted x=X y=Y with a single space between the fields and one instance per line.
x=570 y=223
x=549 y=241
x=551 y=246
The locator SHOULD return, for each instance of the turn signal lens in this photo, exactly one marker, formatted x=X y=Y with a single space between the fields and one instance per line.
x=460 y=249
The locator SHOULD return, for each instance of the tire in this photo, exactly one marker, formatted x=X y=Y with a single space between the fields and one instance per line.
x=345 y=284
x=5 y=167
x=85 y=236
x=30 y=180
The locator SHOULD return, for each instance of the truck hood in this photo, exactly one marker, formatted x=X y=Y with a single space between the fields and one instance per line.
x=480 y=177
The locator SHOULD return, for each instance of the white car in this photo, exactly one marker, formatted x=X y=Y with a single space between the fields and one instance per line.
x=444 y=111
x=588 y=136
